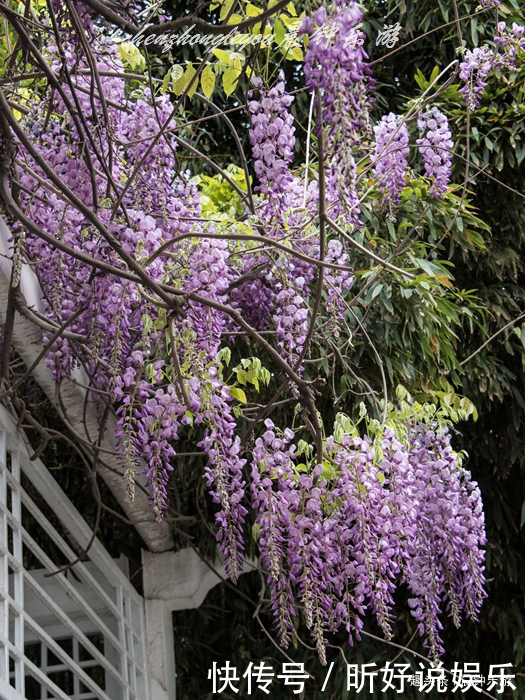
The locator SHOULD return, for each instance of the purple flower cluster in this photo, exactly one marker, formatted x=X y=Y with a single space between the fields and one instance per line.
x=272 y=487
x=65 y=21
x=474 y=69
x=477 y=63
x=341 y=186
x=447 y=561
x=291 y=320
x=255 y=300
x=336 y=64
x=337 y=281
x=209 y=275
x=436 y=147
x=148 y=422
x=272 y=137
x=339 y=540
x=224 y=474
x=391 y=157
x=509 y=41
x=119 y=323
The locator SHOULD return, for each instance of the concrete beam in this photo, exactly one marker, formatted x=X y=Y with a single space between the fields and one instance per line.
x=27 y=339
x=181 y=579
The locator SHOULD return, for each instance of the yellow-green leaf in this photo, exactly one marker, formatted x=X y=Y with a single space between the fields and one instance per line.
x=208 y=81
x=253 y=11
x=235 y=19
x=280 y=32
x=131 y=55
x=297 y=53
x=226 y=7
x=229 y=80
x=177 y=72
x=191 y=72
x=165 y=82
x=238 y=394
x=222 y=55
x=179 y=83
x=290 y=22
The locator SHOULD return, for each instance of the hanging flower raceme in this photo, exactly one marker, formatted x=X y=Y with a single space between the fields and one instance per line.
x=473 y=70
x=446 y=563
x=340 y=541
x=436 y=147
x=276 y=498
x=391 y=157
x=272 y=137
x=335 y=64
x=508 y=43
x=224 y=471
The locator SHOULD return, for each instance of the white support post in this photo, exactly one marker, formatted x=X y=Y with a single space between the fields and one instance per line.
x=172 y=581
x=161 y=652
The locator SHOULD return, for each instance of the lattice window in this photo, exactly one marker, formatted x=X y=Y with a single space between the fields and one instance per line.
x=75 y=635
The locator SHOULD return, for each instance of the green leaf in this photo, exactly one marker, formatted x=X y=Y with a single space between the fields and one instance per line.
x=224 y=355
x=238 y=394
x=522 y=522
x=377 y=290
x=229 y=80
x=434 y=74
x=226 y=7
x=166 y=82
x=474 y=31
x=242 y=376
x=235 y=19
x=430 y=268
x=420 y=79
x=520 y=332
x=252 y=11
x=208 y=81
x=222 y=56
x=176 y=72
x=180 y=84
x=131 y=56
x=190 y=72
x=279 y=31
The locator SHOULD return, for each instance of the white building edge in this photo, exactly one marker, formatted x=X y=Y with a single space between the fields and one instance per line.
x=86 y=628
